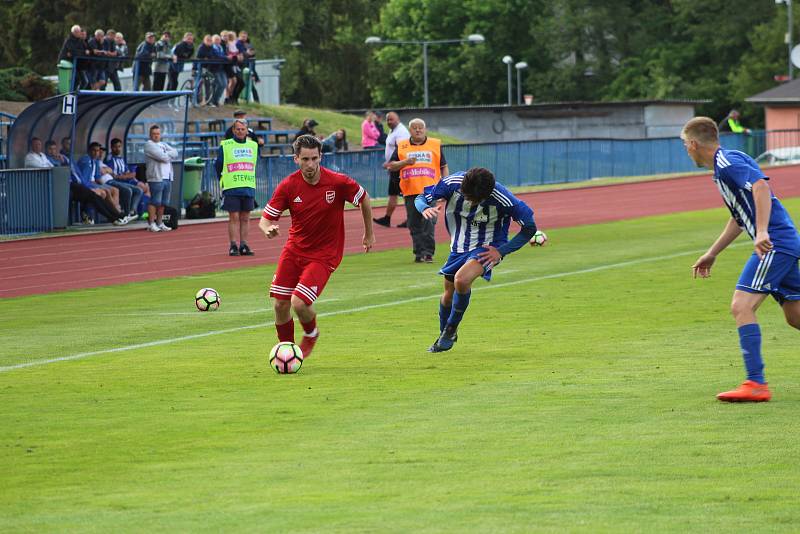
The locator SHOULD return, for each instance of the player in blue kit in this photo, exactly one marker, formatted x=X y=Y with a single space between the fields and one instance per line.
x=771 y=270
x=478 y=212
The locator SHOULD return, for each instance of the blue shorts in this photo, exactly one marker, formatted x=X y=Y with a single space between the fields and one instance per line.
x=159 y=192
x=234 y=203
x=456 y=260
x=777 y=274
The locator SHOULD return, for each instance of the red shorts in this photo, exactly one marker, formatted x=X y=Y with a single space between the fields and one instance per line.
x=299 y=276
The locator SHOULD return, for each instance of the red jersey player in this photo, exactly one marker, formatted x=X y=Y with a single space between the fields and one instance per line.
x=315 y=198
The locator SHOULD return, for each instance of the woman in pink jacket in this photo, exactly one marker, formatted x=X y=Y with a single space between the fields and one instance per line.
x=369 y=132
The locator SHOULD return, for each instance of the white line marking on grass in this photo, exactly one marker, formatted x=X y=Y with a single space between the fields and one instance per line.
x=358 y=309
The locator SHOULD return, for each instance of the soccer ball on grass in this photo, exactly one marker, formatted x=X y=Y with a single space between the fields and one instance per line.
x=207 y=299
x=286 y=358
x=539 y=239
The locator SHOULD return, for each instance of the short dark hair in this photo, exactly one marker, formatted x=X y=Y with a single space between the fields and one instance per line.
x=35 y=139
x=94 y=145
x=155 y=127
x=477 y=184
x=50 y=143
x=306 y=141
x=116 y=140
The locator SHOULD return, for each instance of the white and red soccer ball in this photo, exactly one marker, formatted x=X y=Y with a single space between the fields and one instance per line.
x=286 y=358
x=206 y=299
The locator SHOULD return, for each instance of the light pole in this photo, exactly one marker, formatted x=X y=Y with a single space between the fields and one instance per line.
x=519 y=66
x=508 y=60
x=788 y=33
x=475 y=38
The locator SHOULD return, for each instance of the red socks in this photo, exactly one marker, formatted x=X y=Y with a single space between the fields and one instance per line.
x=285 y=331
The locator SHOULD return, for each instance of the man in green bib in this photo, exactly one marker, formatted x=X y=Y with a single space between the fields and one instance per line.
x=236 y=168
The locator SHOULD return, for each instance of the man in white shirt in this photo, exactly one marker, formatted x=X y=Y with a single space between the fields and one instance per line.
x=36 y=158
x=399 y=133
x=159 y=156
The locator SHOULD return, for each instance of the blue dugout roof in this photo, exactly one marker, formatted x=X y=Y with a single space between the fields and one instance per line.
x=99 y=116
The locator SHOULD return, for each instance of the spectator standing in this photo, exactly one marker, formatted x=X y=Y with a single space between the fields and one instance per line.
x=379 y=126
x=110 y=49
x=315 y=197
x=233 y=67
x=158 y=159
x=241 y=115
x=145 y=53
x=180 y=52
x=220 y=75
x=98 y=65
x=36 y=158
x=248 y=52
x=335 y=142
x=732 y=123
x=122 y=52
x=75 y=50
x=236 y=169
x=398 y=133
x=163 y=59
x=369 y=133
x=419 y=162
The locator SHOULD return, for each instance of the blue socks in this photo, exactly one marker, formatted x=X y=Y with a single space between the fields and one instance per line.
x=444 y=314
x=750 y=341
x=460 y=303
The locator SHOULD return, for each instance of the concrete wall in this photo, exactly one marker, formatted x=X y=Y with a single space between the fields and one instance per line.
x=567 y=121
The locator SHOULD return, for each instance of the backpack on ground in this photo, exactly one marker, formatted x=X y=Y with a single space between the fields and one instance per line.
x=170 y=217
x=202 y=206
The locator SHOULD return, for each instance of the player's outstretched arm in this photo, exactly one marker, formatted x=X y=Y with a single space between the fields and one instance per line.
x=366 y=213
x=702 y=267
x=270 y=230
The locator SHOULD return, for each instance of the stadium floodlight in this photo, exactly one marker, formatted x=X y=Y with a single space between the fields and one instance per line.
x=520 y=66
x=474 y=38
x=788 y=37
x=508 y=60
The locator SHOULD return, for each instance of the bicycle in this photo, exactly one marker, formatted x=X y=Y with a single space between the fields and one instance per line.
x=204 y=91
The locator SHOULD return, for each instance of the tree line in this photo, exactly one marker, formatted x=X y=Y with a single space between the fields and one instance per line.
x=576 y=50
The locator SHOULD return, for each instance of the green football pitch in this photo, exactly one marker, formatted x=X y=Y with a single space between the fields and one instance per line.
x=579 y=397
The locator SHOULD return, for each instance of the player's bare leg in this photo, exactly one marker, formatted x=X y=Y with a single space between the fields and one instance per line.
x=743 y=308
x=791 y=310
x=283 y=319
x=462 y=285
x=308 y=318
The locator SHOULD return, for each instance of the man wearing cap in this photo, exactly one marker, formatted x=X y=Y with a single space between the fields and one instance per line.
x=145 y=53
x=241 y=114
x=236 y=168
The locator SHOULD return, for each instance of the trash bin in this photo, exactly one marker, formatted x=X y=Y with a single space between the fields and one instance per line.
x=64 y=76
x=192 y=177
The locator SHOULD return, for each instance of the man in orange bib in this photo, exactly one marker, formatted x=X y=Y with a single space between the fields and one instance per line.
x=419 y=162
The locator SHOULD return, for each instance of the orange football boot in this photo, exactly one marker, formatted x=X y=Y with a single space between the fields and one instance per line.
x=749 y=391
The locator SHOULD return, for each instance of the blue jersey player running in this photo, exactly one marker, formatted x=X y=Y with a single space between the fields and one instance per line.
x=478 y=212
x=771 y=270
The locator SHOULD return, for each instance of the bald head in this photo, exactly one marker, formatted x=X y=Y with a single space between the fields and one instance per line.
x=392 y=119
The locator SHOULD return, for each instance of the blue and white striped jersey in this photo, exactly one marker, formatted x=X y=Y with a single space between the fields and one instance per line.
x=472 y=226
x=735 y=173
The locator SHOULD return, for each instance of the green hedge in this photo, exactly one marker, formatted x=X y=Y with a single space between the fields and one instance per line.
x=19 y=84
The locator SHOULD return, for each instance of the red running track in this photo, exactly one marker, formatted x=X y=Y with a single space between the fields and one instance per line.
x=35 y=266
